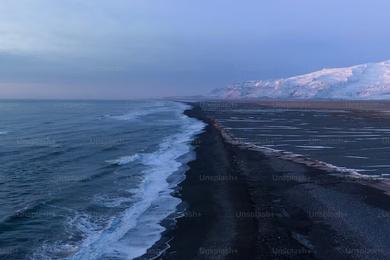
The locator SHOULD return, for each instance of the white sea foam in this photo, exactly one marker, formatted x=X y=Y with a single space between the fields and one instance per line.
x=314 y=147
x=356 y=157
x=138 y=228
x=133 y=115
x=125 y=159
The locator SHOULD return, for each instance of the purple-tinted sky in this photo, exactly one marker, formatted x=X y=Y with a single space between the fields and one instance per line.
x=153 y=48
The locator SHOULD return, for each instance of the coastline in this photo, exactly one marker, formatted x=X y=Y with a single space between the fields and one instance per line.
x=212 y=193
x=244 y=204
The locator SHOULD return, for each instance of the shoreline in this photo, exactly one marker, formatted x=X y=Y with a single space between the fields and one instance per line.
x=244 y=204
x=212 y=193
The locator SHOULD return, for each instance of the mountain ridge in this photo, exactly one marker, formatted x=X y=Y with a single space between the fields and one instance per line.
x=365 y=81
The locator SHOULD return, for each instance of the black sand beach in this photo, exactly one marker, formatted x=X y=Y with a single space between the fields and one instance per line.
x=242 y=204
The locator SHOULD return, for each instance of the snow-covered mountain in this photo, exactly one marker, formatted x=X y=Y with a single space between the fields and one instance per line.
x=366 y=81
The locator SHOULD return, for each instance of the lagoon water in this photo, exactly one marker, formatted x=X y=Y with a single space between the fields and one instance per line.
x=342 y=138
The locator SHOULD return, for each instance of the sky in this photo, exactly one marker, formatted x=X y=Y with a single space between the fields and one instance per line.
x=121 y=49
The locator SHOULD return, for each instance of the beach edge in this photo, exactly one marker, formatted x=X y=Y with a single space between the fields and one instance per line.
x=233 y=211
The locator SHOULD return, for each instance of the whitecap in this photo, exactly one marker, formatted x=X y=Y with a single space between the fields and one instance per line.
x=155 y=201
x=356 y=157
x=314 y=147
x=125 y=159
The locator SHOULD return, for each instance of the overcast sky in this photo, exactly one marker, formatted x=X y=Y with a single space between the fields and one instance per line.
x=153 y=48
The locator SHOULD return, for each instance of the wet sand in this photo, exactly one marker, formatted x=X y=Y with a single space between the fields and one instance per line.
x=244 y=204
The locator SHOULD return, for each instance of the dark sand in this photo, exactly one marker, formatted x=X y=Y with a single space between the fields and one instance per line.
x=214 y=192
x=242 y=204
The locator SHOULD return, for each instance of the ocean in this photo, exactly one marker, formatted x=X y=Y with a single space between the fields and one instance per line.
x=90 y=179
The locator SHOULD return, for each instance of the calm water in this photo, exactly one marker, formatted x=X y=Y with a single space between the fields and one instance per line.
x=342 y=138
x=89 y=180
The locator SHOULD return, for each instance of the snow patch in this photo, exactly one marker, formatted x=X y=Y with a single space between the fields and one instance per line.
x=366 y=81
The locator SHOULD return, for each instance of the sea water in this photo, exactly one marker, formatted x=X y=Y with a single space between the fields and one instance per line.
x=89 y=179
